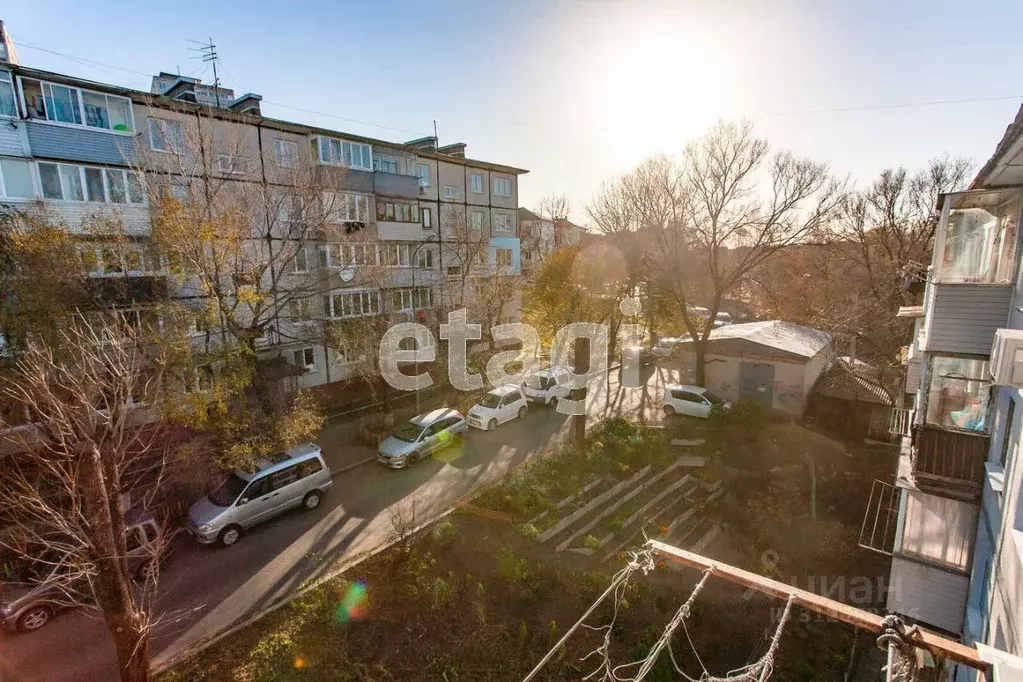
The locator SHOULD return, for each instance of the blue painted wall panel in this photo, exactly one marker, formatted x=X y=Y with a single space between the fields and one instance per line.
x=79 y=144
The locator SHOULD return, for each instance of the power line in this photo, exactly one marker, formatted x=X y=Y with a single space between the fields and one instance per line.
x=904 y=105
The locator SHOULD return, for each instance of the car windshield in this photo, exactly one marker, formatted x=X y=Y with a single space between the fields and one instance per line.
x=407 y=432
x=229 y=490
x=490 y=400
x=714 y=399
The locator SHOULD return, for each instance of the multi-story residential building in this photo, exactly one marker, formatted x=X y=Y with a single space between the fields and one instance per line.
x=952 y=521
x=540 y=237
x=77 y=149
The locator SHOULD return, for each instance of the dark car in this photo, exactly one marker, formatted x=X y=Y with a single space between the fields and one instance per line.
x=32 y=591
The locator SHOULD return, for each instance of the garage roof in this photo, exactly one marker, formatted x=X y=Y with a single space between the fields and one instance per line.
x=784 y=336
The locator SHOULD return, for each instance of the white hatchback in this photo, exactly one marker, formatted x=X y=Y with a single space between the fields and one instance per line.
x=693 y=401
x=497 y=407
x=546 y=386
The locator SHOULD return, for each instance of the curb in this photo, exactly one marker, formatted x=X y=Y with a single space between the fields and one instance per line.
x=349 y=467
x=199 y=647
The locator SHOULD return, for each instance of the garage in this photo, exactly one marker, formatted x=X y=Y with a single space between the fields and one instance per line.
x=772 y=361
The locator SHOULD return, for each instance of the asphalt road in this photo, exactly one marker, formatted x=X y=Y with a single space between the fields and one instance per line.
x=204 y=590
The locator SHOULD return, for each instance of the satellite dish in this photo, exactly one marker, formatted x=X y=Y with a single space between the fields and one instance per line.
x=346 y=274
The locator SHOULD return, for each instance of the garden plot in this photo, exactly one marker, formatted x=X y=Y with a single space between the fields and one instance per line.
x=571 y=504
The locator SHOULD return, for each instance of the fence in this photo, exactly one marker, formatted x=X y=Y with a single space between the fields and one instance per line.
x=901 y=422
x=944 y=457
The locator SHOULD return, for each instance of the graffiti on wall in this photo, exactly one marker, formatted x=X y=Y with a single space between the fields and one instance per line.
x=788 y=395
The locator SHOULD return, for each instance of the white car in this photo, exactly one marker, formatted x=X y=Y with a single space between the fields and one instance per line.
x=722 y=319
x=546 y=386
x=668 y=348
x=497 y=407
x=693 y=401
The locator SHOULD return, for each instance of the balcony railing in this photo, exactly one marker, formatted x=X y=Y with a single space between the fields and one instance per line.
x=901 y=421
x=949 y=460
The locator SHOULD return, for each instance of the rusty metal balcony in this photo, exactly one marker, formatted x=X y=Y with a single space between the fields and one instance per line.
x=949 y=461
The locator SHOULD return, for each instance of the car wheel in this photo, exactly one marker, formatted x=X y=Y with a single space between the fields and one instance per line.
x=312 y=500
x=412 y=458
x=669 y=410
x=35 y=618
x=522 y=412
x=553 y=402
x=491 y=425
x=229 y=536
x=147 y=570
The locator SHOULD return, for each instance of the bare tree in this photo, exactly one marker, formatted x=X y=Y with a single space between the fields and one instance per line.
x=709 y=220
x=62 y=492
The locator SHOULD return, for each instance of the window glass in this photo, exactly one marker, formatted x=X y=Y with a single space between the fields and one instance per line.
x=477 y=183
x=115 y=181
x=134 y=539
x=111 y=260
x=958 y=393
x=7 y=107
x=94 y=184
x=17 y=178
x=980 y=237
x=120 y=113
x=284 y=477
x=256 y=489
x=286 y=153
x=133 y=260
x=62 y=104
x=134 y=188
x=71 y=179
x=309 y=467
x=95 y=106
x=423 y=171
x=939 y=528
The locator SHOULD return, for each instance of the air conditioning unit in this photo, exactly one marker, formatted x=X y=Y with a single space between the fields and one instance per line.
x=1007 y=357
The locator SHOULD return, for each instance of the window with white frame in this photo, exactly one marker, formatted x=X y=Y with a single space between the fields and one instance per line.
x=354 y=155
x=231 y=164
x=476 y=183
x=7 y=106
x=423 y=171
x=502 y=187
x=119 y=259
x=427 y=217
x=501 y=222
x=411 y=298
x=16 y=179
x=479 y=259
x=300 y=309
x=305 y=358
x=285 y=153
x=347 y=207
x=166 y=136
x=301 y=262
x=348 y=255
x=351 y=304
x=424 y=258
x=76 y=106
x=396 y=211
x=71 y=182
x=450 y=192
x=396 y=255
x=503 y=258
x=385 y=164
x=476 y=219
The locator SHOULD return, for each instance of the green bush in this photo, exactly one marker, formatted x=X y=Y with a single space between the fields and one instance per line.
x=591 y=543
x=512 y=569
x=529 y=531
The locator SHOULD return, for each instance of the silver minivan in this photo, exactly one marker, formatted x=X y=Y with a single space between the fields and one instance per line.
x=296 y=478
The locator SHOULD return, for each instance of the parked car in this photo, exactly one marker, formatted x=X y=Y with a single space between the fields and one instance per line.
x=693 y=401
x=286 y=480
x=546 y=386
x=667 y=348
x=32 y=591
x=722 y=319
x=421 y=436
x=502 y=404
x=644 y=354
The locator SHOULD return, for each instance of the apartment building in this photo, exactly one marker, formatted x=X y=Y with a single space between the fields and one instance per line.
x=77 y=150
x=952 y=521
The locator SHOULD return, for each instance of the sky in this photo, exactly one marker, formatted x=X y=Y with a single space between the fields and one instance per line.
x=579 y=91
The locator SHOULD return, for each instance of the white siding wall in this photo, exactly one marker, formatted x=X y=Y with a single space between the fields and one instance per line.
x=12 y=142
x=963 y=317
x=80 y=214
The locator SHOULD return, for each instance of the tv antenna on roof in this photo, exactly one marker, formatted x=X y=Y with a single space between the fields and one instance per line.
x=208 y=53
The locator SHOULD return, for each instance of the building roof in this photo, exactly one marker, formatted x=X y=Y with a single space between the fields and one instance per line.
x=783 y=336
x=910 y=311
x=853 y=382
x=526 y=214
x=1000 y=169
